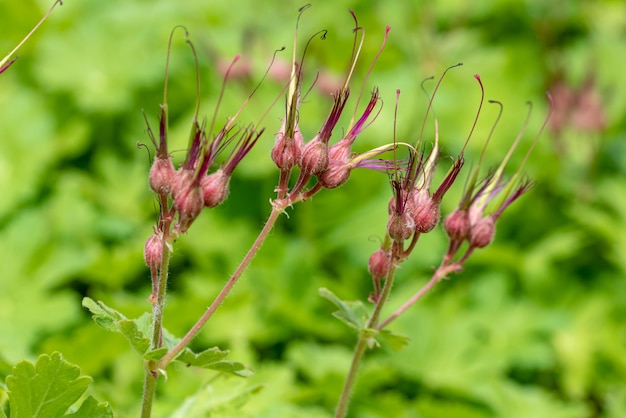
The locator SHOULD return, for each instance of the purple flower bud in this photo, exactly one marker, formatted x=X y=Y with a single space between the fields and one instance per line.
x=424 y=210
x=482 y=232
x=153 y=252
x=379 y=264
x=457 y=225
x=314 y=157
x=162 y=176
x=339 y=167
x=287 y=151
x=183 y=177
x=400 y=226
x=215 y=188
x=188 y=199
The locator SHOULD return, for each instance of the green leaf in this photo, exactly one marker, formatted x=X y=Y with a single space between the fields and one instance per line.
x=354 y=314
x=136 y=331
x=49 y=388
x=91 y=408
x=213 y=359
x=395 y=341
x=104 y=316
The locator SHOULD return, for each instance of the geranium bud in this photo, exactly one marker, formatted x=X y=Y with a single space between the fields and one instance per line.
x=287 y=151
x=336 y=175
x=379 y=264
x=189 y=203
x=482 y=232
x=400 y=226
x=314 y=157
x=153 y=252
x=457 y=225
x=339 y=167
x=182 y=179
x=424 y=211
x=162 y=176
x=215 y=188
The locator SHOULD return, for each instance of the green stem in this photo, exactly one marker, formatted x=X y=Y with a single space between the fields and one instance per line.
x=271 y=221
x=151 y=370
x=438 y=275
x=361 y=346
x=149 y=387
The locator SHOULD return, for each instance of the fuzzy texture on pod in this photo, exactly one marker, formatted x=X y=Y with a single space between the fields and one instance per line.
x=400 y=226
x=482 y=232
x=153 y=252
x=424 y=211
x=162 y=176
x=314 y=157
x=379 y=264
x=215 y=188
x=287 y=152
x=457 y=225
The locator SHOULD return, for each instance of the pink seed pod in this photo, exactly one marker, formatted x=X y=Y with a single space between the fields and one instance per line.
x=379 y=264
x=457 y=225
x=182 y=179
x=162 y=176
x=314 y=157
x=482 y=232
x=287 y=151
x=189 y=203
x=400 y=226
x=214 y=188
x=153 y=252
x=336 y=175
x=339 y=168
x=424 y=211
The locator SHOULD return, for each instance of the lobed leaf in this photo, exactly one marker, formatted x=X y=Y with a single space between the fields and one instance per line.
x=354 y=314
x=213 y=359
x=48 y=389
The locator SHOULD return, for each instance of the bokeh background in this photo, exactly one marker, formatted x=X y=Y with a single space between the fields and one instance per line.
x=535 y=326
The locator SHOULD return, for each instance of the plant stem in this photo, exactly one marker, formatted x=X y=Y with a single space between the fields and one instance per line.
x=151 y=370
x=439 y=274
x=271 y=221
x=149 y=387
x=361 y=346
x=344 y=399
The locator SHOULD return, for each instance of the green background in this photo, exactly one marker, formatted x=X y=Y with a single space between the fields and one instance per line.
x=534 y=325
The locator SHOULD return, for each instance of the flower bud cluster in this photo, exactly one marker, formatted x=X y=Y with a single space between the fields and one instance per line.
x=191 y=187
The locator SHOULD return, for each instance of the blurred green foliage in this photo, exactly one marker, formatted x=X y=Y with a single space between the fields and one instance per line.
x=534 y=326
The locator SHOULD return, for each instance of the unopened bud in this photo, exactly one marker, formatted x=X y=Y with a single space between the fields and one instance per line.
x=482 y=232
x=153 y=252
x=339 y=168
x=162 y=176
x=314 y=157
x=379 y=264
x=424 y=210
x=182 y=179
x=457 y=225
x=287 y=151
x=400 y=226
x=215 y=188
x=336 y=175
x=188 y=200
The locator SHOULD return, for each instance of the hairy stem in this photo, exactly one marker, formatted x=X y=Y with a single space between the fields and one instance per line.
x=439 y=274
x=361 y=346
x=271 y=221
x=151 y=370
